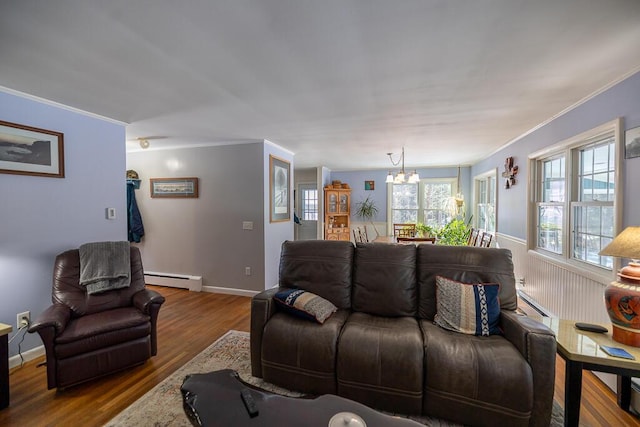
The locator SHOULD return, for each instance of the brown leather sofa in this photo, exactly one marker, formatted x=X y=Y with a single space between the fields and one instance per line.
x=382 y=347
x=88 y=336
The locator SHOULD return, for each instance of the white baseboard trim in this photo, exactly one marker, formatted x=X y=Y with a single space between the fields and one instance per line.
x=229 y=291
x=27 y=356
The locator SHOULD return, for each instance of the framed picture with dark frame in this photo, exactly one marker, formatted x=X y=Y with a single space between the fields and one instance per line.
x=25 y=150
x=369 y=185
x=632 y=143
x=279 y=184
x=174 y=188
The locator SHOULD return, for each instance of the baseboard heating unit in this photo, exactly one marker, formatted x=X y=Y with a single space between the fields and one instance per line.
x=193 y=283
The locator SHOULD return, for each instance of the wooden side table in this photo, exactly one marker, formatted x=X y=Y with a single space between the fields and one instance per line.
x=4 y=365
x=581 y=350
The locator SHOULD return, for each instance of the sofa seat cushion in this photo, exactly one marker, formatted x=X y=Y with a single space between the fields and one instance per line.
x=100 y=330
x=475 y=380
x=380 y=362
x=301 y=355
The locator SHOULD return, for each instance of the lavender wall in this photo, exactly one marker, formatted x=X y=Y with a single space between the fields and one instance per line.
x=41 y=217
x=356 y=180
x=621 y=100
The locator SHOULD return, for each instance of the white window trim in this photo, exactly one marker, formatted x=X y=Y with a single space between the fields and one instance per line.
x=492 y=173
x=596 y=273
x=421 y=184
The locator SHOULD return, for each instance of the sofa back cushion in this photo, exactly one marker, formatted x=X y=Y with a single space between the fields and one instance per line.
x=467 y=264
x=384 y=280
x=323 y=267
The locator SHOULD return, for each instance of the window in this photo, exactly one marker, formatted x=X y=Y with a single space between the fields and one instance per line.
x=577 y=204
x=484 y=211
x=424 y=202
x=309 y=208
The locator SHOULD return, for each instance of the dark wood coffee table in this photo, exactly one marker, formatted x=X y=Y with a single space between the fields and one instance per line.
x=213 y=399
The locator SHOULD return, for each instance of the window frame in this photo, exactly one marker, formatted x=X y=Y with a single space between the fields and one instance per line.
x=484 y=177
x=569 y=148
x=420 y=195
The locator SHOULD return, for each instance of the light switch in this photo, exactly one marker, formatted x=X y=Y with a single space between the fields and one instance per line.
x=111 y=213
x=247 y=225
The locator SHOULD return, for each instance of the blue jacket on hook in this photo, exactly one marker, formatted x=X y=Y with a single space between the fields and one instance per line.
x=134 y=219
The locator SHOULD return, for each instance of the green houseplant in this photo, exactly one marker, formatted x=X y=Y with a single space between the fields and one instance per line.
x=425 y=230
x=455 y=233
x=367 y=210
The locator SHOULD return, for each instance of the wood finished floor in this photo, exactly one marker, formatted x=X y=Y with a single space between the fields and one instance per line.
x=188 y=323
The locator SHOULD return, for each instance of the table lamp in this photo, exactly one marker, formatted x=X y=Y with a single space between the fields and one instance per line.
x=622 y=297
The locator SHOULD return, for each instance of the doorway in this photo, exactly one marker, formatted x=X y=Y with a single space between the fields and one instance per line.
x=307 y=208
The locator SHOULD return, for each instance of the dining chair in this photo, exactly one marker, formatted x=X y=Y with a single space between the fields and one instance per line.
x=473 y=237
x=404 y=230
x=363 y=234
x=485 y=240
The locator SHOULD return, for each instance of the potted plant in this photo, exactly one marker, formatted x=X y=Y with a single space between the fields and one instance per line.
x=455 y=233
x=424 y=230
x=367 y=210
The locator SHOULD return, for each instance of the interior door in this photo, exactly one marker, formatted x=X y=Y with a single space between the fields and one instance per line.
x=307 y=211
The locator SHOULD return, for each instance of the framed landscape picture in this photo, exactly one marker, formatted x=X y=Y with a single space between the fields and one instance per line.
x=174 y=188
x=632 y=143
x=25 y=150
x=279 y=184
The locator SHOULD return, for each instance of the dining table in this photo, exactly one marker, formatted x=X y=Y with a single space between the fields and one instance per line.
x=394 y=239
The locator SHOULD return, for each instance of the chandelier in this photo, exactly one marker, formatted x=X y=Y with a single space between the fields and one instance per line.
x=455 y=204
x=400 y=176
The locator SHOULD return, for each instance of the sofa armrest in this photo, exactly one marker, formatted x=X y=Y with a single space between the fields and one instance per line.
x=537 y=344
x=56 y=316
x=142 y=300
x=262 y=308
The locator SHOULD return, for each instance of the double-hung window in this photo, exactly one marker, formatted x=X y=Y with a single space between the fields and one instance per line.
x=485 y=201
x=577 y=206
x=424 y=202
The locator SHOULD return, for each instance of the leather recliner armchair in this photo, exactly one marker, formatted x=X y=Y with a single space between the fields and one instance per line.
x=88 y=336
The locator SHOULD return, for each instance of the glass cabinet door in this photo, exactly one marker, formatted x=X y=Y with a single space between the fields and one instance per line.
x=333 y=202
x=344 y=203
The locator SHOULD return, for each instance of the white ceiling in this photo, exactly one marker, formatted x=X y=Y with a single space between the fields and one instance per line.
x=337 y=82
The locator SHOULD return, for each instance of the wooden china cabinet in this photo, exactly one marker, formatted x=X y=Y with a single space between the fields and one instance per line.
x=337 y=211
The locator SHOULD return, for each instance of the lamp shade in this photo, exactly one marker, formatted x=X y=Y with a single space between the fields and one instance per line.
x=625 y=245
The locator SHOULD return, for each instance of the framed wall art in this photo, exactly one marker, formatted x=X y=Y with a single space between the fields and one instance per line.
x=369 y=185
x=279 y=184
x=632 y=143
x=174 y=188
x=25 y=150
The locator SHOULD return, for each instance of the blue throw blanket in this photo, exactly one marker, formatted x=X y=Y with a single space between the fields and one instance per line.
x=105 y=266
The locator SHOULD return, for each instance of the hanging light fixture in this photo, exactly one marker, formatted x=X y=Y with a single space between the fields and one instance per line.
x=400 y=176
x=455 y=204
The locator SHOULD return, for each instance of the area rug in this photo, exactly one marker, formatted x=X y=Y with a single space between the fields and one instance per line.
x=162 y=405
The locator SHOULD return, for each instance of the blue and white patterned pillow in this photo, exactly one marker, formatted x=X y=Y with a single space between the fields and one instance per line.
x=472 y=309
x=305 y=304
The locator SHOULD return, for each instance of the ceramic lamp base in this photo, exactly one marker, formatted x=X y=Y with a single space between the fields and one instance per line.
x=623 y=306
x=626 y=336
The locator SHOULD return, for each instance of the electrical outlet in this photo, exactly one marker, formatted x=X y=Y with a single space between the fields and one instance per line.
x=23 y=319
x=247 y=271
